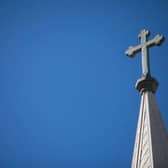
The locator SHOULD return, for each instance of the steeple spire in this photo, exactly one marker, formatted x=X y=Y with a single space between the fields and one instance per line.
x=151 y=142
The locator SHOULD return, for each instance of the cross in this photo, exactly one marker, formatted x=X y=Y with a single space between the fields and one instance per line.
x=143 y=47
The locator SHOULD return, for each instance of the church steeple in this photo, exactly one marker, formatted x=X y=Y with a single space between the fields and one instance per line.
x=151 y=142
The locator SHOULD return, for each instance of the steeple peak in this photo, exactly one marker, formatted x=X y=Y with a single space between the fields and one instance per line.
x=151 y=142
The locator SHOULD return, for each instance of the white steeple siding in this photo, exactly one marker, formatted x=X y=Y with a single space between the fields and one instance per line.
x=151 y=143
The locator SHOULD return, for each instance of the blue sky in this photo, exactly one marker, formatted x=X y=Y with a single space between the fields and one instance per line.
x=67 y=96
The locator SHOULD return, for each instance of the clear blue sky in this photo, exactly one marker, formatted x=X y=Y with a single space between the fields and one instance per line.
x=67 y=96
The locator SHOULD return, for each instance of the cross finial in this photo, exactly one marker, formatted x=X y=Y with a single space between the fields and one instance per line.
x=143 y=47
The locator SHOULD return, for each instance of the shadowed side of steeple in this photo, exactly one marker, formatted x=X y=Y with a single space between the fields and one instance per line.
x=159 y=134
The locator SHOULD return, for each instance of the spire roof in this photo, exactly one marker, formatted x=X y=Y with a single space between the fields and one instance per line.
x=151 y=142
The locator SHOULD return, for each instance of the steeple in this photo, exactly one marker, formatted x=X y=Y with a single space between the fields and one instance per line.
x=151 y=142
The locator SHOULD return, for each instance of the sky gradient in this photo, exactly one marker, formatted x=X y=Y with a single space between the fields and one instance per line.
x=67 y=95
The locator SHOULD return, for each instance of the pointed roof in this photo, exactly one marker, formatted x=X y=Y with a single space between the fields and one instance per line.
x=151 y=143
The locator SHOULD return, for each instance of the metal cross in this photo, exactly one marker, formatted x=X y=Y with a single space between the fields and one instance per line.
x=143 y=47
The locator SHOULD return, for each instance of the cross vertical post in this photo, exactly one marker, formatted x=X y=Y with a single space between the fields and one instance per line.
x=145 y=57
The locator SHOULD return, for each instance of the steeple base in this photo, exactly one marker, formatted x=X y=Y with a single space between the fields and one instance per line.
x=147 y=84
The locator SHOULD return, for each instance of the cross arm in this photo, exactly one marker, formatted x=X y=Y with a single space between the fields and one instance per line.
x=133 y=50
x=157 y=40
